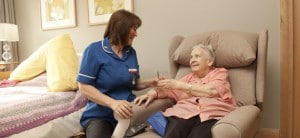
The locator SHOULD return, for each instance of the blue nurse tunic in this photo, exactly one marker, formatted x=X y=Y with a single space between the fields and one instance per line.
x=103 y=69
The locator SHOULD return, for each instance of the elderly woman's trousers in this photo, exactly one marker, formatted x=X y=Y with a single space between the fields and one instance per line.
x=188 y=128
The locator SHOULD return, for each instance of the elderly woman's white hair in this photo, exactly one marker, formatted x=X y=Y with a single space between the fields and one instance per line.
x=208 y=50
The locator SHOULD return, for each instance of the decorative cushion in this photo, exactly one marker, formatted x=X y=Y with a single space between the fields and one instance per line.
x=34 y=65
x=58 y=58
x=232 y=49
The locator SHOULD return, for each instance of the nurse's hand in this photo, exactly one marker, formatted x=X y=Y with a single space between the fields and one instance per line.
x=122 y=108
x=153 y=82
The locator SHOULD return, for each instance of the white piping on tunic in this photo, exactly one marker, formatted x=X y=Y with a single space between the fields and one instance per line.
x=109 y=51
x=104 y=48
x=87 y=76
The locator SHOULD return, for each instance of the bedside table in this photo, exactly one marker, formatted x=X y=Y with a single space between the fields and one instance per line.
x=5 y=69
x=4 y=75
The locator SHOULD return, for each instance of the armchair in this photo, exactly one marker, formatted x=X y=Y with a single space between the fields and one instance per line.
x=244 y=55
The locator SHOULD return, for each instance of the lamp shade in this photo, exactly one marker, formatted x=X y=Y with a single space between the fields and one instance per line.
x=9 y=32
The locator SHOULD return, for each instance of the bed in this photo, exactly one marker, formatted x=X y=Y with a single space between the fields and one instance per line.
x=45 y=101
x=29 y=109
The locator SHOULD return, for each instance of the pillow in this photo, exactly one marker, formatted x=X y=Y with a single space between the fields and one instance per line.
x=34 y=65
x=232 y=49
x=58 y=58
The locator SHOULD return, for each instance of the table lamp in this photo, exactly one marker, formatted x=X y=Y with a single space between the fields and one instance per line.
x=8 y=33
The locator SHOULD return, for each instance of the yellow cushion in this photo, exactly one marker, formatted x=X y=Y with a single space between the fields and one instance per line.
x=34 y=65
x=58 y=58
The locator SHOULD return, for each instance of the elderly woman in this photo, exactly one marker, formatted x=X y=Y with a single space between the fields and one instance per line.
x=202 y=97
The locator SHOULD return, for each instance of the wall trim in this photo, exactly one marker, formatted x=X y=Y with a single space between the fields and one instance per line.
x=287 y=69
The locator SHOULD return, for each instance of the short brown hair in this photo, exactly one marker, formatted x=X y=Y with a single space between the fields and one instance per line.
x=119 y=26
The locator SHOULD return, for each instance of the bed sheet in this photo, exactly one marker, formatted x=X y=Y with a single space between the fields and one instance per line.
x=29 y=105
x=62 y=127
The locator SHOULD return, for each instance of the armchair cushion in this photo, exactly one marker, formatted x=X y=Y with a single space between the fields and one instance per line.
x=232 y=49
x=240 y=123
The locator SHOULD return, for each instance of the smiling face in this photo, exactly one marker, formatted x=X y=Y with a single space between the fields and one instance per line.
x=200 y=61
x=121 y=28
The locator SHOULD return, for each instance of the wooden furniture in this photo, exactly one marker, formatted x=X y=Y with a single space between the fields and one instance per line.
x=4 y=75
x=290 y=69
x=6 y=68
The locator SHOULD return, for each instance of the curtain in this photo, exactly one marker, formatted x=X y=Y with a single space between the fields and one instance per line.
x=7 y=15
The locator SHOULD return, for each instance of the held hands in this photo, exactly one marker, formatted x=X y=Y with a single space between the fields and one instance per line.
x=154 y=81
x=122 y=108
x=168 y=83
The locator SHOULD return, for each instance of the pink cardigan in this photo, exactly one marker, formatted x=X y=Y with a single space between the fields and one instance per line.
x=188 y=106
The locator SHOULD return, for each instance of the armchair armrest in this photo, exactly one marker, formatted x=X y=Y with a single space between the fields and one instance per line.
x=140 y=114
x=240 y=123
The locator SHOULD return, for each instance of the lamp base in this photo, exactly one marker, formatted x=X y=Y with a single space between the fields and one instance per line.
x=6 y=55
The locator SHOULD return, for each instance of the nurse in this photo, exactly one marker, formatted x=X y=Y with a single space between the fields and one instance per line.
x=109 y=72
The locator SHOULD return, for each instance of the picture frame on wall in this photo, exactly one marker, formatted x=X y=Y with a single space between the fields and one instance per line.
x=57 y=14
x=101 y=10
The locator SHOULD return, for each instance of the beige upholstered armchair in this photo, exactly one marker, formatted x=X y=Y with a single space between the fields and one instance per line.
x=244 y=55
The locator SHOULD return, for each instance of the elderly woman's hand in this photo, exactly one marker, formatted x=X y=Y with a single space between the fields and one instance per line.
x=168 y=83
x=146 y=98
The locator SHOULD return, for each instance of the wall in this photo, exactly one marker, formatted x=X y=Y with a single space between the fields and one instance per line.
x=161 y=21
